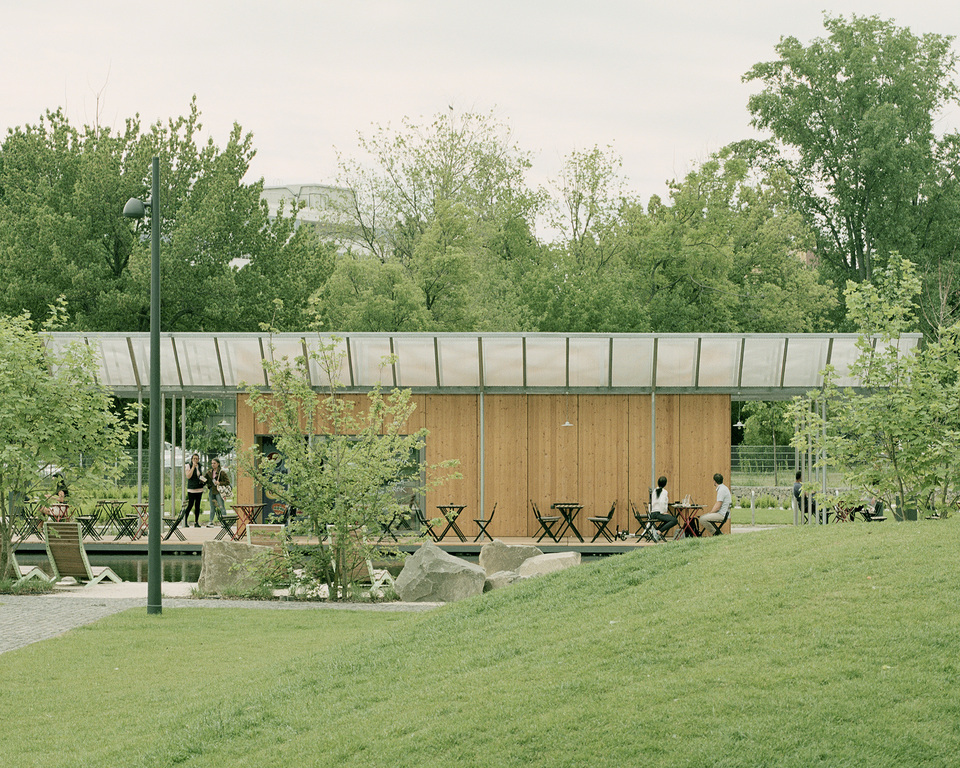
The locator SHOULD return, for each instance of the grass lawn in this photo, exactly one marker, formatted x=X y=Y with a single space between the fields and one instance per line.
x=818 y=646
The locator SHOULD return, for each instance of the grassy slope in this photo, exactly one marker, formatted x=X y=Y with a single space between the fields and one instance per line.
x=831 y=646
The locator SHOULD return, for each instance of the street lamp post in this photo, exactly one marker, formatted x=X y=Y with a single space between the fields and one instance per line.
x=136 y=209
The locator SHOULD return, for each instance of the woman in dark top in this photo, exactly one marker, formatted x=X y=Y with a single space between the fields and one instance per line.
x=195 y=485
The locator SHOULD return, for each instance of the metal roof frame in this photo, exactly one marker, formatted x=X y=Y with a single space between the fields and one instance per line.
x=745 y=366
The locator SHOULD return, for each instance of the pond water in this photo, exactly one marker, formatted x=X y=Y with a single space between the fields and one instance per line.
x=132 y=567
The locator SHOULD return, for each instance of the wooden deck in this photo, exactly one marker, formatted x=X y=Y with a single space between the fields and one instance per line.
x=195 y=538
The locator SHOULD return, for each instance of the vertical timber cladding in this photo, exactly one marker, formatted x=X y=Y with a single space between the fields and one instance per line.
x=638 y=454
x=505 y=464
x=603 y=464
x=552 y=473
x=604 y=455
x=704 y=428
x=453 y=422
x=246 y=431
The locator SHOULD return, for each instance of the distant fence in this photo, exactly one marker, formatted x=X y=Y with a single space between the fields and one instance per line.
x=773 y=465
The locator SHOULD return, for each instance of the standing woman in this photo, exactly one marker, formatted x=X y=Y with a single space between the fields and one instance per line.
x=217 y=482
x=195 y=483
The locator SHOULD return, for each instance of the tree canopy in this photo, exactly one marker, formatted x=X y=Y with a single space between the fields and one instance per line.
x=852 y=117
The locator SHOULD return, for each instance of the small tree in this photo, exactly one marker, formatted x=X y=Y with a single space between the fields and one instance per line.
x=899 y=437
x=52 y=411
x=338 y=464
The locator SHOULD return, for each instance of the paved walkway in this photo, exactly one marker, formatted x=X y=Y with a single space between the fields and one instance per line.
x=26 y=619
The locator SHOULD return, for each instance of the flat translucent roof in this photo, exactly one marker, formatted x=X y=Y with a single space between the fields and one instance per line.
x=754 y=366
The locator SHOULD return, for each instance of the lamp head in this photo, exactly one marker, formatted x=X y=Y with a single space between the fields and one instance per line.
x=134 y=209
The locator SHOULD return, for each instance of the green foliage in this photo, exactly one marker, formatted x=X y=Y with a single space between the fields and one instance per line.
x=61 y=192
x=898 y=437
x=52 y=411
x=853 y=117
x=345 y=479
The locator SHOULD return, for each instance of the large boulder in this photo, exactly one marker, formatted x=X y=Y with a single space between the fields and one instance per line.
x=500 y=579
x=230 y=565
x=497 y=556
x=543 y=564
x=430 y=575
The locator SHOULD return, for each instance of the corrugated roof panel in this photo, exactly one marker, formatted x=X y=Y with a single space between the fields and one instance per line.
x=459 y=361
x=589 y=361
x=502 y=361
x=632 y=361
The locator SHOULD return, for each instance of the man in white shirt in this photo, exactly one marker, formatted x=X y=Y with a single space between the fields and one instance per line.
x=722 y=507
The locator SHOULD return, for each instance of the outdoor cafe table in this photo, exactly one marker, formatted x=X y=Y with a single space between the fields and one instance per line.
x=110 y=512
x=451 y=512
x=143 y=513
x=686 y=515
x=569 y=510
x=246 y=513
x=58 y=511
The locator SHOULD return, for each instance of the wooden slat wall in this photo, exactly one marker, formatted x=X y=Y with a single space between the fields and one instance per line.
x=638 y=449
x=552 y=453
x=603 y=460
x=454 y=424
x=505 y=463
x=528 y=455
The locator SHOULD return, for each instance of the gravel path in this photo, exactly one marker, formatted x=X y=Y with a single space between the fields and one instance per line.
x=26 y=619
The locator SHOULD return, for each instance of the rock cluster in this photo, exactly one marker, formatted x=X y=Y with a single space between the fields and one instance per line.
x=432 y=575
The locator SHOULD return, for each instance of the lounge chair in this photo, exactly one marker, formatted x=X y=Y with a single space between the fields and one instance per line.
x=24 y=573
x=360 y=570
x=67 y=556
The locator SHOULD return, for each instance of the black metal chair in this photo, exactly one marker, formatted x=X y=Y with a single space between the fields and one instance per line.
x=173 y=523
x=546 y=523
x=482 y=525
x=718 y=526
x=648 y=526
x=602 y=522
x=227 y=522
x=426 y=527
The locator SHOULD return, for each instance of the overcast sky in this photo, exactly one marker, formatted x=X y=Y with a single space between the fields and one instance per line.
x=659 y=81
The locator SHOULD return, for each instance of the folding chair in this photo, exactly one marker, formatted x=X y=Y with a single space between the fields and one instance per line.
x=482 y=525
x=426 y=527
x=127 y=526
x=31 y=521
x=602 y=522
x=648 y=526
x=718 y=526
x=546 y=523
x=174 y=524
x=227 y=521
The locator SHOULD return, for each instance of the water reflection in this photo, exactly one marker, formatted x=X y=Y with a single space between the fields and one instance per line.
x=132 y=567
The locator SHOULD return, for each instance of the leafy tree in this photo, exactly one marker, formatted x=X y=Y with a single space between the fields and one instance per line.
x=61 y=190
x=442 y=200
x=897 y=438
x=366 y=294
x=346 y=477
x=852 y=116
x=52 y=411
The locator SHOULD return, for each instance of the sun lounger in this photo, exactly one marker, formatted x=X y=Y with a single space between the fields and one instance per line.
x=67 y=556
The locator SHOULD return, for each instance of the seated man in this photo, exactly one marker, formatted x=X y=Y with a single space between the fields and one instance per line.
x=722 y=506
